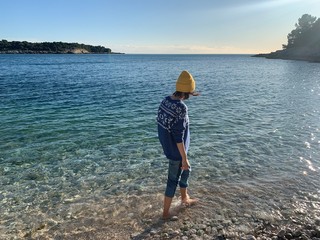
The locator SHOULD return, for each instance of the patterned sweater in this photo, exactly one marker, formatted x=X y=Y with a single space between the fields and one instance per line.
x=173 y=127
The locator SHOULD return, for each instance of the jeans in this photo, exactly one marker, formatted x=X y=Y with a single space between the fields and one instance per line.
x=176 y=176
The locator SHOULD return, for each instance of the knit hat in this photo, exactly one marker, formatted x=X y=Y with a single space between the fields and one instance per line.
x=185 y=83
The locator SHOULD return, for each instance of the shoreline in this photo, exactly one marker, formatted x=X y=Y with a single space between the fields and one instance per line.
x=225 y=211
x=192 y=225
x=299 y=54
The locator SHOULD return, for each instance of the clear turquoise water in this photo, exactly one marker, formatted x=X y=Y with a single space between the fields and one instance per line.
x=79 y=131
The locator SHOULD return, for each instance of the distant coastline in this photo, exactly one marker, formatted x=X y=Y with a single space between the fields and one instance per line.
x=303 y=42
x=24 y=47
x=302 y=54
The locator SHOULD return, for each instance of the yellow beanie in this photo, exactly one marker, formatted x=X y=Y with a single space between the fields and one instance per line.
x=185 y=83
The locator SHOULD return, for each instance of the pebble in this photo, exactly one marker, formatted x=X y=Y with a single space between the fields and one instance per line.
x=297 y=233
x=208 y=230
x=174 y=218
x=202 y=226
x=304 y=237
x=165 y=235
x=250 y=237
x=288 y=236
x=192 y=231
x=281 y=234
x=153 y=232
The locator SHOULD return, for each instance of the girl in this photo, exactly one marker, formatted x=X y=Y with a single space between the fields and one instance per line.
x=174 y=136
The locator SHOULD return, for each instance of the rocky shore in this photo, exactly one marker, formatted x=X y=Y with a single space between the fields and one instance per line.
x=191 y=224
x=210 y=229
x=224 y=212
x=302 y=54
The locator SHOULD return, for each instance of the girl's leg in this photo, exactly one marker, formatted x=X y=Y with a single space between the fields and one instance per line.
x=183 y=183
x=166 y=207
x=174 y=172
x=185 y=199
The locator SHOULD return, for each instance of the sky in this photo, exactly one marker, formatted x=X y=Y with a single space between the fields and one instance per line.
x=157 y=26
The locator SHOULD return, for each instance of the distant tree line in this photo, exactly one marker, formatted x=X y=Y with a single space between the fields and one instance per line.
x=48 y=47
x=306 y=34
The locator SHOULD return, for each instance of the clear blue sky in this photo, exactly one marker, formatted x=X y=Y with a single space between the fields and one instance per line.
x=157 y=26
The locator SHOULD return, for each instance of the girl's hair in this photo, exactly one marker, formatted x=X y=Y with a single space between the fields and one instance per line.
x=181 y=95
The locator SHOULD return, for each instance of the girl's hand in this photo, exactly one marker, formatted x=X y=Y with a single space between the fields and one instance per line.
x=185 y=165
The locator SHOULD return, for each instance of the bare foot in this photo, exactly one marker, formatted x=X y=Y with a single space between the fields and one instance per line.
x=166 y=216
x=169 y=217
x=189 y=201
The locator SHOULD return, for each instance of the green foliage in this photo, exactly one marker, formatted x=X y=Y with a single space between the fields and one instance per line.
x=307 y=33
x=48 y=47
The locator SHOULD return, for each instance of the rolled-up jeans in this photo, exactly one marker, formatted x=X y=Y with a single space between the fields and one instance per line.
x=176 y=176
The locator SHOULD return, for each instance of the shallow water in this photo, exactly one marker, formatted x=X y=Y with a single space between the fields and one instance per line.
x=79 y=142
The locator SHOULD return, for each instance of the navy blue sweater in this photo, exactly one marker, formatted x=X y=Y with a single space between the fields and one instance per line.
x=173 y=127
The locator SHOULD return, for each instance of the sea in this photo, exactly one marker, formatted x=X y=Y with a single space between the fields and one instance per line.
x=79 y=148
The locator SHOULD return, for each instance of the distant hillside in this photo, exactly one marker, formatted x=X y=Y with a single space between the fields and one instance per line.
x=303 y=42
x=16 y=47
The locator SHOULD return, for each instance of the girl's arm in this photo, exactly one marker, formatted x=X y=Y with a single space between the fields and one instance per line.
x=185 y=161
